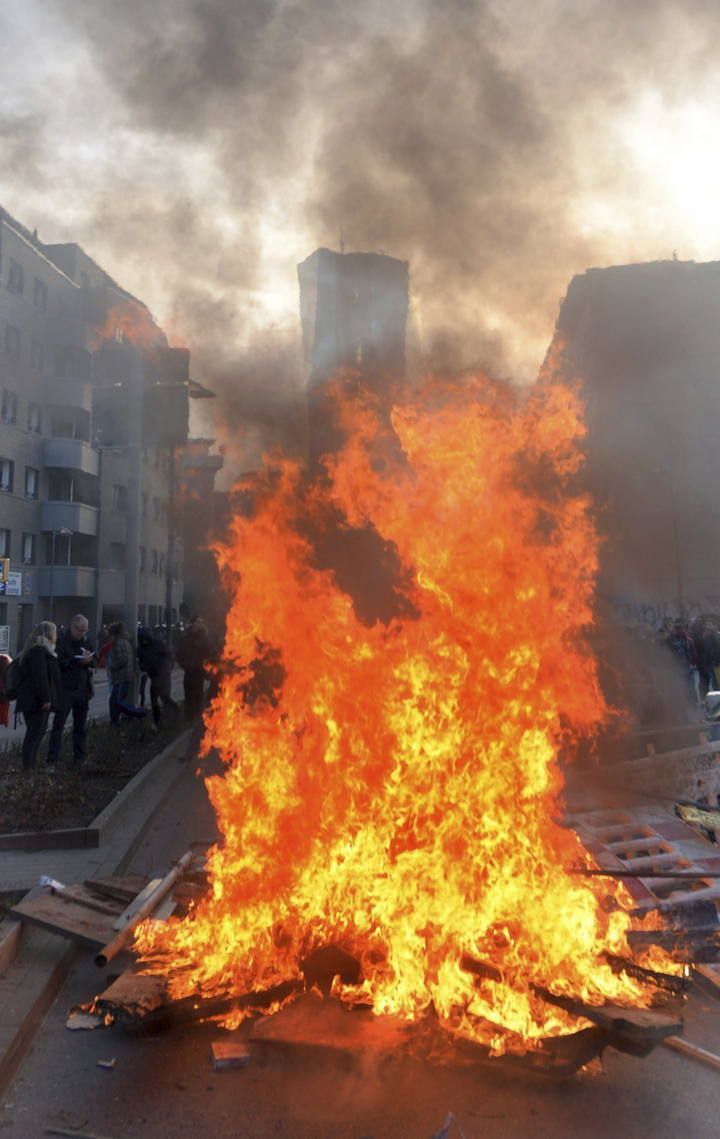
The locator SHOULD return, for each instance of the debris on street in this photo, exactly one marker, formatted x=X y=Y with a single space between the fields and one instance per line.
x=227 y=1054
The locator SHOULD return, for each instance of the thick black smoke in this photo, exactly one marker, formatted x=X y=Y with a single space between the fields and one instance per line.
x=459 y=136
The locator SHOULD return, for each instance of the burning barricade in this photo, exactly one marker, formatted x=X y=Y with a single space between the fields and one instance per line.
x=390 y=801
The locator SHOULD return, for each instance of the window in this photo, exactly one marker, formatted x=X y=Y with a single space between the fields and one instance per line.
x=60 y=486
x=144 y=503
x=142 y=559
x=37 y=355
x=58 y=550
x=157 y=509
x=152 y=615
x=28 y=549
x=7 y=474
x=120 y=499
x=16 y=277
x=32 y=482
x=4 y=543
x=161 y=566
x=34 y=418
x=9 y=406
x=12 y=341
x=154 y=562
x=117 y=555
x=40 y=295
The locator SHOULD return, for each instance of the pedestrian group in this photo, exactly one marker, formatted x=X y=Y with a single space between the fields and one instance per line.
x=53 y=676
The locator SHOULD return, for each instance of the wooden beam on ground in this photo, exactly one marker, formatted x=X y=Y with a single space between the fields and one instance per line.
x=124 y=889
x=141 y=1000
x=699 y=945
x=694 y=1051
x=633 y=1030
x=69 y=916
x=668 y=982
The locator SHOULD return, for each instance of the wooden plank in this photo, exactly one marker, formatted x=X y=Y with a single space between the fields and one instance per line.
x=66 y=917
x=633 y=1030
x=84 y=897
x=699 y=944
x=133 y=995
x=124 y=889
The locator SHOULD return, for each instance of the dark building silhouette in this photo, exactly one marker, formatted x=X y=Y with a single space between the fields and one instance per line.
x=645 y=341
x=354 y=309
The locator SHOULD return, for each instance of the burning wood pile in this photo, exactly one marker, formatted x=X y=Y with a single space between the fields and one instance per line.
x=389 y=808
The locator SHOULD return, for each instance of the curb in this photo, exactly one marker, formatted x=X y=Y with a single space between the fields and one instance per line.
x=34 y=963
x=80 y=838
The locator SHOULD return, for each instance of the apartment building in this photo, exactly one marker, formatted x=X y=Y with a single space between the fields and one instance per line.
x=90 y=395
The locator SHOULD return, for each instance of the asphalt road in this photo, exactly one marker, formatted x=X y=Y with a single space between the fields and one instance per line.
x=164 y=1086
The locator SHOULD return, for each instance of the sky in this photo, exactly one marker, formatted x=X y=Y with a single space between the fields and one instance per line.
x=199 y=149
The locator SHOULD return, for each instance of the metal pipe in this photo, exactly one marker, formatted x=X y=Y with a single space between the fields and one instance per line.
x=169 y=565
x=690 y=875
x=52 y=572
x=120 y=941
x=694 y=1051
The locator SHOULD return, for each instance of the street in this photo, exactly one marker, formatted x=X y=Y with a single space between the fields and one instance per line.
x=164 y=1085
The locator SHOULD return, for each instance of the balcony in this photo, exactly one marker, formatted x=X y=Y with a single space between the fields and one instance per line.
x=75 y=516
x=67 y=581
x=71 y=454
x=62 y=392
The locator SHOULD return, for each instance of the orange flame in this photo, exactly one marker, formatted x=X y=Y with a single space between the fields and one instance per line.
x=130 y=322
x=397 y=790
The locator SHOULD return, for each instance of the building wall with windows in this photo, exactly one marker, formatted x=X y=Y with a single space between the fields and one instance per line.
x=63 y=487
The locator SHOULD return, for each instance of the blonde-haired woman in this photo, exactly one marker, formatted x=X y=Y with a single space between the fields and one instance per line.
x=40 y=689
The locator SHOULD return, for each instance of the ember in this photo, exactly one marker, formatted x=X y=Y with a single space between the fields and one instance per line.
x=398 y=795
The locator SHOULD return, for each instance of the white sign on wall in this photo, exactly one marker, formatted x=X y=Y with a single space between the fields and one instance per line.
x=13 y=586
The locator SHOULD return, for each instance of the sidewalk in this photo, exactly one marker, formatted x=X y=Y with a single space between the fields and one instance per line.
x=35 y=963
x=98 y=707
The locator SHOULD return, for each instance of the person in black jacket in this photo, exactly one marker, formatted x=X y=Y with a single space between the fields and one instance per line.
x=40 y=689
x=75 y=658
x=193 y=653
x=155 y=661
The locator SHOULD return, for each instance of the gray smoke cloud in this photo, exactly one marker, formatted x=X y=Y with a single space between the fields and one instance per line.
x=200 y=148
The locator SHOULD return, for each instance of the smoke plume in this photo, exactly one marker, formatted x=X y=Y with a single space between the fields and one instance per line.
x=199 y=149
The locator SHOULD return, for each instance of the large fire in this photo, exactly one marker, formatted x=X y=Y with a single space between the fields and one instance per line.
x=396 y=792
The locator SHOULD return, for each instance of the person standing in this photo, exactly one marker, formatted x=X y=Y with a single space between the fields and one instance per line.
x=5 y=662
x=193 y=655
x=40 y=688
x=155 y=661
x=75 y=657
x=121 y=669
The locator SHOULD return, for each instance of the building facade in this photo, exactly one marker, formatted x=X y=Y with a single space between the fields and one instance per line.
x=644 y=341
x=353 y=308
x=85 y=512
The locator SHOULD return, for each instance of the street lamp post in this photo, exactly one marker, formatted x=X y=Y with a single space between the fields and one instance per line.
x=64 y=533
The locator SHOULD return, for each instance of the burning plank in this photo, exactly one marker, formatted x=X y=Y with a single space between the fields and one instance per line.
x=633 y=1030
